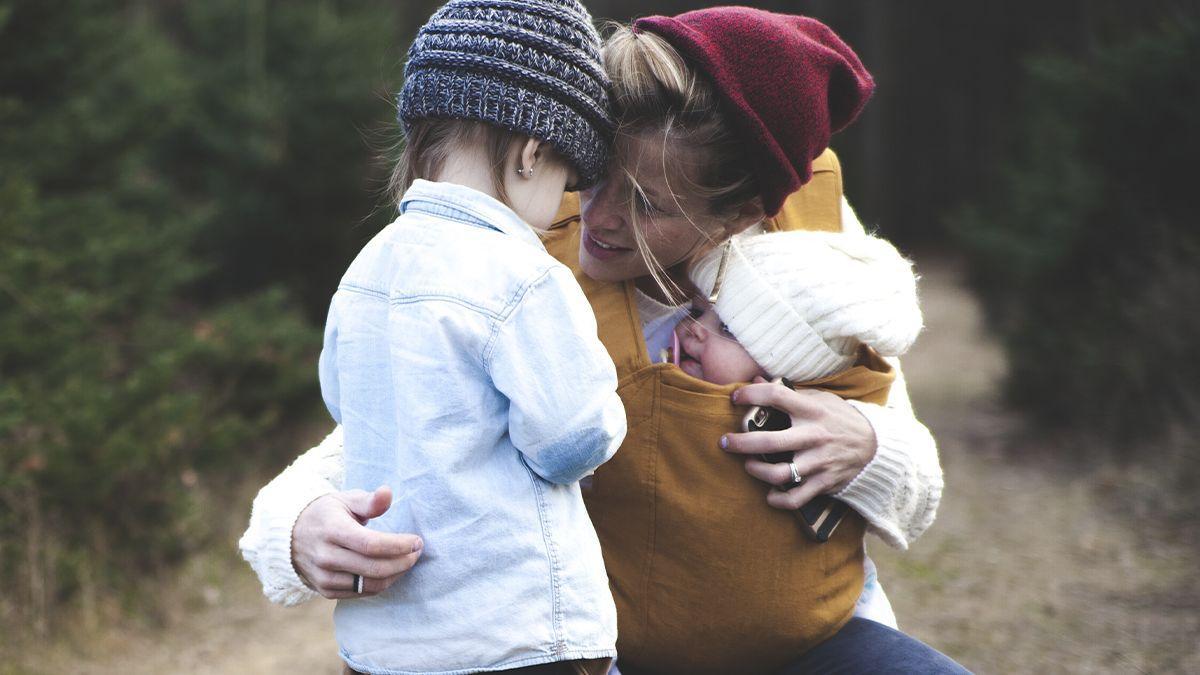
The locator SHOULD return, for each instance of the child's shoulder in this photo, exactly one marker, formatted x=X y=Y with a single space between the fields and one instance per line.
x=483 y=269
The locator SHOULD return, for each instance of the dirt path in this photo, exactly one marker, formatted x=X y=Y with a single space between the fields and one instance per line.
x=1026 y=569
x=1029 y=567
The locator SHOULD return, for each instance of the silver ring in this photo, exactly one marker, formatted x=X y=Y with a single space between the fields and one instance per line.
x=796 y=477
x=358 y=584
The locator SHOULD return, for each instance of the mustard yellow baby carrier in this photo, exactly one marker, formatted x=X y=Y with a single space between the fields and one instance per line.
x=707 y=577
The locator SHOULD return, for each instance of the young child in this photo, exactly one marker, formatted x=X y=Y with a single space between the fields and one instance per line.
x=804 y=306
x=463 y=361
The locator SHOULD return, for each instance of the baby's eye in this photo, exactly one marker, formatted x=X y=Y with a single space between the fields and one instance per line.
x=725 y=329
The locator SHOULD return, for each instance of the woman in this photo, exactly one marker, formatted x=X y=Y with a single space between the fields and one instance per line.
x=723 y=114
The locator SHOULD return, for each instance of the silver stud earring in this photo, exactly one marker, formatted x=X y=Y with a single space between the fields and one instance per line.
x=520 y=171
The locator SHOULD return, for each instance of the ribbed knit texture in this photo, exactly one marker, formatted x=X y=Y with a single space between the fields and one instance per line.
x=899 y=490
x=528 y=66
x=267 y=542
x=801 y=302
x=786 y=83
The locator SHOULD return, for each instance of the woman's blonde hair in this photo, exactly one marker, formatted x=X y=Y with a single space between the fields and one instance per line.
x=655 y=91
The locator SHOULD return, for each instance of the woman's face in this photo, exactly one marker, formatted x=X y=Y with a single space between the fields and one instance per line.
x=674 y=225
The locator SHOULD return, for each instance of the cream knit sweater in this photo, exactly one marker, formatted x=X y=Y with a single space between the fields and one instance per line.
x=897 y=492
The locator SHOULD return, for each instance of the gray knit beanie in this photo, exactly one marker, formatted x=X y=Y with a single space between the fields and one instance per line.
x=528 y=66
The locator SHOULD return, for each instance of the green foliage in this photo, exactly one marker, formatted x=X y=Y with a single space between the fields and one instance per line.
x=178 y=188
x=277 y=139
x=1087 y=255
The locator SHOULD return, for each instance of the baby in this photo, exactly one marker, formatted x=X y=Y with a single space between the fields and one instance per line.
x=804 y=306
x=798 y=305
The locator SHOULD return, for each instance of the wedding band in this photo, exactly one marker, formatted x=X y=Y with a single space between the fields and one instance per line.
x=796 y=477
x=358 y=584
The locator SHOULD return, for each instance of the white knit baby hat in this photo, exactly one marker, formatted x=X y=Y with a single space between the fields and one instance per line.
x=801 y=303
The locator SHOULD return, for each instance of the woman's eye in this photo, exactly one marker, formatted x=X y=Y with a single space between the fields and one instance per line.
x=695 y=313
x=643 y=204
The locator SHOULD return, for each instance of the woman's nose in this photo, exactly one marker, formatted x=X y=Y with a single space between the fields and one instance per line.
x=601 y=206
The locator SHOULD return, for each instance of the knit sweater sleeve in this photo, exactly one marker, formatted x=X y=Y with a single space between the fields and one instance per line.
x=899 y=490
x=267 y=542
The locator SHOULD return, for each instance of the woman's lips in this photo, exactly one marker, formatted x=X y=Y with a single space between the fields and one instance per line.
x=601 y=250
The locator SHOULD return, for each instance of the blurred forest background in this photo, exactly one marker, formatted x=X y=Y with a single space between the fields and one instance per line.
x=182 y=184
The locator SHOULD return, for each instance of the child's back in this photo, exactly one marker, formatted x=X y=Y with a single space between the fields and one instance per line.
x=463 y=361
x=454 y=360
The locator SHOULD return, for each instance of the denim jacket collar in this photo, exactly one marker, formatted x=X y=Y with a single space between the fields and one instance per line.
x=462 y=204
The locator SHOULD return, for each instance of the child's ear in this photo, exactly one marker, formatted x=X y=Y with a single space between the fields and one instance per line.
x=530 y=155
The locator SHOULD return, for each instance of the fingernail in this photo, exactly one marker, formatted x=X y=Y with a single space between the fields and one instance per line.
x=734 y=396
x=724 y=442
x=417 y=546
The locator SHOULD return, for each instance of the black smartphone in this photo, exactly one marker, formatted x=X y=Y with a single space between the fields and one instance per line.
x=819 y=517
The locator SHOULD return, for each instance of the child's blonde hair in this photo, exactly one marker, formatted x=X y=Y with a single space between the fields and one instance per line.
x=431 y=142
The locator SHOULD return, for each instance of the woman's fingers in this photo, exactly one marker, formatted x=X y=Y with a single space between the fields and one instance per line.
x=350 y=562
x=330 y=546
x=767 y=472
x=340 y=585
x=780 y=473
x=801 y=436
x=336 y=583
x=794 y=498
x=828 y=435
x=375 y=544
x=802 y=403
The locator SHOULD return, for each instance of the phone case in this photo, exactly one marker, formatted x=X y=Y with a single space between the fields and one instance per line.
x=819 y=517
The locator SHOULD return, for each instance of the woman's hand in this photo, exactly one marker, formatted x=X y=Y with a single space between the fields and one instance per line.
x=830 y=439
x=330 y=545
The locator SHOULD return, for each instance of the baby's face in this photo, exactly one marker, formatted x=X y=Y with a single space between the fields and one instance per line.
x=709 y=352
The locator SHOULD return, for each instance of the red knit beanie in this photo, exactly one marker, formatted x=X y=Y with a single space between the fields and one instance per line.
x=787 y=83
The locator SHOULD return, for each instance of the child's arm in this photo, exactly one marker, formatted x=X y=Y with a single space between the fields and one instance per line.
x=565 y=416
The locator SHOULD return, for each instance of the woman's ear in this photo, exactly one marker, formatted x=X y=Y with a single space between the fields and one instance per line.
x=748 y=215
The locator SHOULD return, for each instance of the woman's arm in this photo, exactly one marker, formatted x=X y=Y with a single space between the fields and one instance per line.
x=899 y=490
x=878 y=459
x=305 y=538
x=267 y=542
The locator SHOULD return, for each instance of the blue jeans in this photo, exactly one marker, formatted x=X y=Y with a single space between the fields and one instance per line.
x=863 y=646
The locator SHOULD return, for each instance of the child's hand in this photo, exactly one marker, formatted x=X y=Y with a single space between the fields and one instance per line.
x=832 y=442
x=330 y=544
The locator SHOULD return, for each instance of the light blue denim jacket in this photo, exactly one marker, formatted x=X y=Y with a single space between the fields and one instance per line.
x=463 y=362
